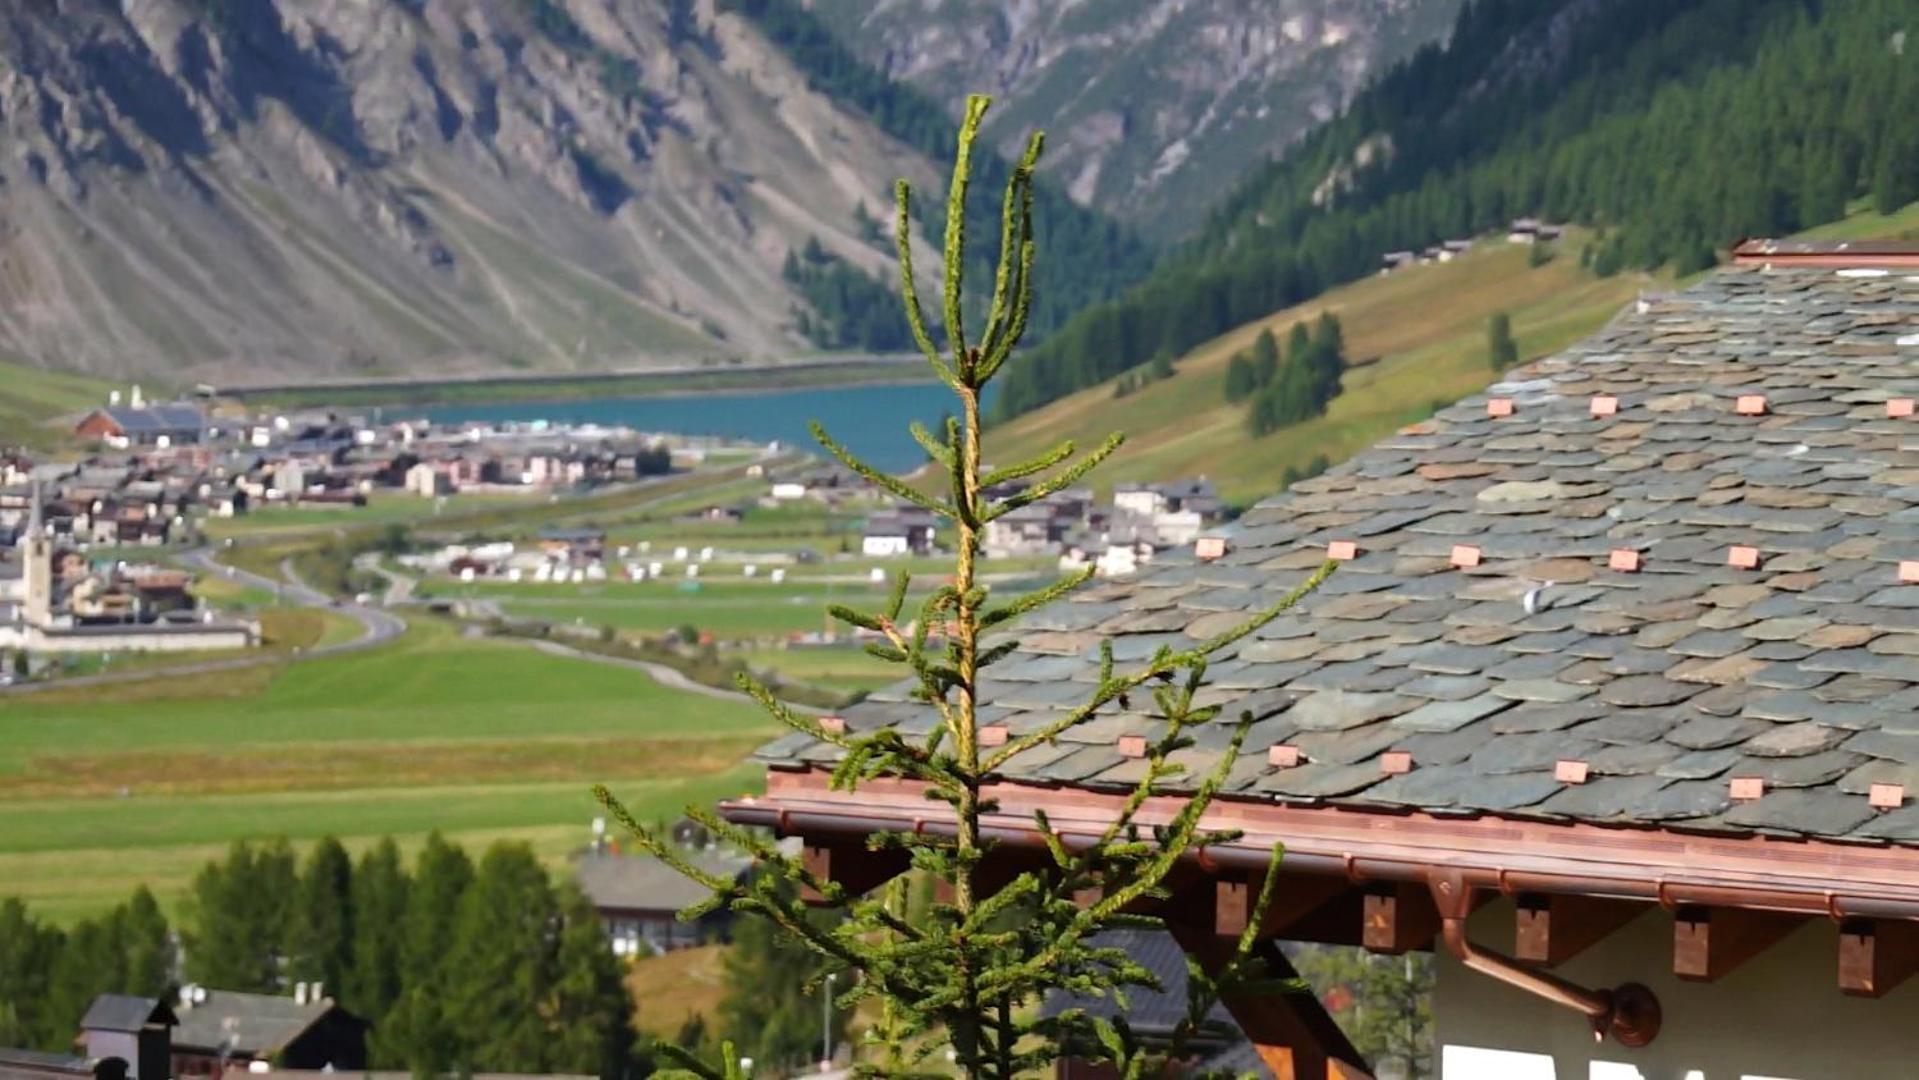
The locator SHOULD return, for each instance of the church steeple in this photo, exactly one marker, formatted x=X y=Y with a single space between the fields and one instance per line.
x=36 y=549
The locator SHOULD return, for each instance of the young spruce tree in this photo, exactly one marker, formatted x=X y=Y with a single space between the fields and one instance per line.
x=968 y=973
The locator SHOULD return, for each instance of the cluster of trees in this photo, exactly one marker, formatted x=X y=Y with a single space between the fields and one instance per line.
x=1678 y=126
x=773 y=1010
x=48 y=976
x=1089 y=257
x=1296 y=388
x=1383 y=1003
x=461 y=967
x=1502 y=351
x=1161 y=367
x=846 y=307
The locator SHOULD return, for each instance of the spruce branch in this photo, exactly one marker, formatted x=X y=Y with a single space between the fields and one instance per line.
x=1046 y=489
x=1030 y=467
x=955 y=248
x=909 y=289
x=875 y=476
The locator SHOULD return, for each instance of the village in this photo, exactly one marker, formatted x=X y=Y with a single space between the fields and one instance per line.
x=91 y=560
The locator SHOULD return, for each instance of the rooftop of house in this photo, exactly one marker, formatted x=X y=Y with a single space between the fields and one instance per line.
x=1155 y=1014
x=614 y=881
x=35 y=1063
x=156 y=417
x=246 y=1024
x=125 y=1012
x=1668 y=577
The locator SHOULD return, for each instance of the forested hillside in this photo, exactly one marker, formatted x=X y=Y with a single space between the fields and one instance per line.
x=1090 y=257
x=1671 y=126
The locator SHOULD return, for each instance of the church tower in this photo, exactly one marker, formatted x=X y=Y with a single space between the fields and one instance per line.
x=37 y=566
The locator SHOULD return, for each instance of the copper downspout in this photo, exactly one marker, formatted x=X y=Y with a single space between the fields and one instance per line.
x=1629 y=1013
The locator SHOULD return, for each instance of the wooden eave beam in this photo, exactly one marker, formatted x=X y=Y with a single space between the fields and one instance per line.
x=849 y=864
x=1708 y=943
x=1296 y=897
x=1552 y=929
x=1876 y=955
x=1398 y=918
x=1292 y=1032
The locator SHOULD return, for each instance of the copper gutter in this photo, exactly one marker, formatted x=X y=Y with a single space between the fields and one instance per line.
x=1838 y=254
x=1804 y=877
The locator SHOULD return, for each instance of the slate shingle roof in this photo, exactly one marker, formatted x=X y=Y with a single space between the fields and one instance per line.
x=246 y=1024
x=124 y=1012
x=644 y=883
x=1666 y=682
x=157 y=419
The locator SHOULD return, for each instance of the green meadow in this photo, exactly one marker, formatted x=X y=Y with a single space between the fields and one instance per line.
x=102 y=788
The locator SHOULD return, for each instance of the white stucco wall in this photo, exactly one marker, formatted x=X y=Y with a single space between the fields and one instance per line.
x=135 y=639
x=1780 y=1016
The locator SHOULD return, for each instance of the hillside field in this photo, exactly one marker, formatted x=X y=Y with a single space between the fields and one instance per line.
x=103 y=788
x=1415 y=341
x=31 y=398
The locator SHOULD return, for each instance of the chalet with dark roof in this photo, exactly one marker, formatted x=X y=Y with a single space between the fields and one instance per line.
x=638 y=899
x=144 y=425
x=221 y=1029
x=1612 y=702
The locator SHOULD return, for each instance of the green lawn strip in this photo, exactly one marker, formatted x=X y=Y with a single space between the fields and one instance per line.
x=95 y=851
x=432 y=684
x=31 y=399
x=834 y=668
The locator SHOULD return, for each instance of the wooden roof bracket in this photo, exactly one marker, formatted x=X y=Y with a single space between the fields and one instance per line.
x=1629 y=1013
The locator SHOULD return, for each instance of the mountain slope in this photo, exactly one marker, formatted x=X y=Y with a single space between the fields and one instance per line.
x=1155 y=105
x=1676 y=125
x=208 y=188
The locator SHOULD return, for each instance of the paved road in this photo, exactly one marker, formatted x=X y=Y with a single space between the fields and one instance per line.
x=399 y=587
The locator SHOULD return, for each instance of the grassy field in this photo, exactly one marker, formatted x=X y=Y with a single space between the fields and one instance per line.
x=835 y=669
x=384 y=508
x=1861 y=223
x=671 y=988
x=1414 y=339
x=105 y=787
x=30 y=398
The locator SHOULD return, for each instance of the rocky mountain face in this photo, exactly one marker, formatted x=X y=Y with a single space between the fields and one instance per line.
x=1154 y=107
x=210 y=188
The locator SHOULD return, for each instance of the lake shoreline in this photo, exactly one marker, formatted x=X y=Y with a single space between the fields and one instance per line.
x=540 y=388
x=870 y=418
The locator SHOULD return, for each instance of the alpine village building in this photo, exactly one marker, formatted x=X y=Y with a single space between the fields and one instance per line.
x=1612 y=702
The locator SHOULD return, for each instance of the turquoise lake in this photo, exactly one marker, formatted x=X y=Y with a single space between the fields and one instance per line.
x=871 y=420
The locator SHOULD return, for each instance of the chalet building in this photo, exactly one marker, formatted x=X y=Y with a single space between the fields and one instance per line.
x=134 y=1030
x=574 y=547
x=903 y=531
x=143 y=425
x=1530 y=230
x=225 y=1029
x=1612 y=703
x=639 y=898
x=1219 y=1048
x=123 y=1038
